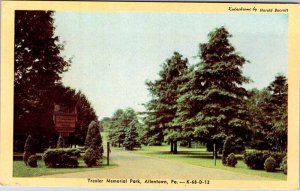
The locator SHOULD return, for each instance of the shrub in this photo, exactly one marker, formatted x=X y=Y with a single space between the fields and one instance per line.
x=231 y=160
x=28 y=149
x=93 y=137
x=32 y=161
x=256 y=159
x=278 y=156
x=232 y=145
x=269 y=164
x=55 y=158
x=131 y=140
x=93 y=144
x=26 y=155
x=60 y=142
x=284 y=165
x=91 y=157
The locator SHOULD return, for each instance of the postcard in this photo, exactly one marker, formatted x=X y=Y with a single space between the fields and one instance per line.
x=150 y=95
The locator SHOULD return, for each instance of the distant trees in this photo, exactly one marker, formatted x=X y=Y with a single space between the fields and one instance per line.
x=123 y=129
x=131 y=140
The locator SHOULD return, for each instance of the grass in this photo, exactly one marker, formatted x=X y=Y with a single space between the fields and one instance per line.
x=21 y=170
x=200 y=157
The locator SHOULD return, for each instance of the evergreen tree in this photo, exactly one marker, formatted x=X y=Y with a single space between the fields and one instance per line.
x=259 y=119
x=188 y=104
x=29 y=149
x=93 y=145
x=120 y=122
x=60 y=142
x=222 y=98
x=276 y=111
x=162 y=108
x=131 y=140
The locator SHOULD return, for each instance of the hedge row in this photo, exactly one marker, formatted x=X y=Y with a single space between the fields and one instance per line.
x=62 y=157
x=256 y=159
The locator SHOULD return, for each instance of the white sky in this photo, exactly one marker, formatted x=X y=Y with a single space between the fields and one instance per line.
x=115 y=52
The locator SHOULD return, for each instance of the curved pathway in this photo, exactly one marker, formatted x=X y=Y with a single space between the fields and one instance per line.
x=132 y=165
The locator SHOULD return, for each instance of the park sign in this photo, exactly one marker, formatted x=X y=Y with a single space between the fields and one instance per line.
x=65 y=122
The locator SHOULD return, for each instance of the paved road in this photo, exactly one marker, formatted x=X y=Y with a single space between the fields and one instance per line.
x=133 y=165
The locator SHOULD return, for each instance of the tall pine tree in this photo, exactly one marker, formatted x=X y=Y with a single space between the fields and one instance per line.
x=162 y=108
x=223 y=98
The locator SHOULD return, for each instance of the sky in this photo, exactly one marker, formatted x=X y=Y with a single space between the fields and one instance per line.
x=114 y=53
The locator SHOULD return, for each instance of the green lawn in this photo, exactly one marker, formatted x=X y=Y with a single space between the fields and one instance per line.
x=199 y=156
x=21 y=170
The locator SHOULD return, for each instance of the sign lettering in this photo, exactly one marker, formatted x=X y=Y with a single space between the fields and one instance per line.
x=65 y=122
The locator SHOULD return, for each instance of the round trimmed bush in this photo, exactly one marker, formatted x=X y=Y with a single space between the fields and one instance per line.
x=32 y=161
x=231 y=160
x=284 y=165
x=270 y=164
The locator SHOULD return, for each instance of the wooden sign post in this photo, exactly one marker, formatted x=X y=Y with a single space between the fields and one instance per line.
x=108 y=151
x=65 y=123
x=215 y=157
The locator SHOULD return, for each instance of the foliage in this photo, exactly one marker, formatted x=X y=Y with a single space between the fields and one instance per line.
x=93 y=138
x=231 y=160
x=284 y=165
x=29 y=149
x=32 y=161
x=258 y=118
x=29 y=145
x=60 y=142
x=26 y=156
x=91 y=157
x=268 y=113
x=276 y=108
x=161 y=109
x=119 y=125
x=37 y=68
x=256 y=159
x=219 y=139
x=222 y=97
x=269 y=164
x=232 y=145
x=131 y=137
x=93 y=144
x=62 y=157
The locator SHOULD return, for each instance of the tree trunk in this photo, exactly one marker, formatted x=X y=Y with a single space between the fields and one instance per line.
x=175 y=147
x=190 y=143
x=172 y=144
